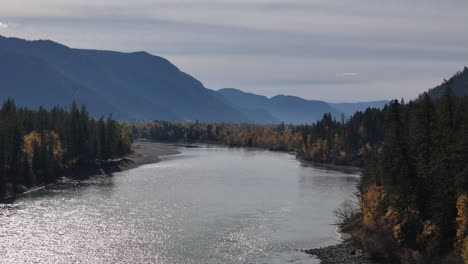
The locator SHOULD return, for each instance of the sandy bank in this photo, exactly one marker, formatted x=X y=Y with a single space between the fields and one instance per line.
x=146 y=152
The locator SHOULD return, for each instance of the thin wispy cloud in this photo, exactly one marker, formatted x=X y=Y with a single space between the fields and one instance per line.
x=3 y=25
x=347 y=74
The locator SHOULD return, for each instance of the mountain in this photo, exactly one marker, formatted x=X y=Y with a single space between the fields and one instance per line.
x=293 y=109
x=254 y=105
x=28 y=89
x=288 y=109
x=136 y=85
x=458 y=83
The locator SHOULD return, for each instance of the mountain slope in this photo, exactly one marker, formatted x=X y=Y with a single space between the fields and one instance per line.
x=138 y=86
x=130 y=85
x=293 y=109
x=288 y=109
x=26 y=90
x=256 y=107
x=458 y=83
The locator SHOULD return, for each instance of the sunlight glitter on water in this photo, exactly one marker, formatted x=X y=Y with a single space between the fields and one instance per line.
x=207 y=205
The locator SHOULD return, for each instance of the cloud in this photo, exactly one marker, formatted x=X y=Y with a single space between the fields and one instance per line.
x=347 y=74
x=348 y=51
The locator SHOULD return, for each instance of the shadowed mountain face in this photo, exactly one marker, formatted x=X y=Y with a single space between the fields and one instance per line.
x=44 y=85
x=130 y=85
x=139 y=86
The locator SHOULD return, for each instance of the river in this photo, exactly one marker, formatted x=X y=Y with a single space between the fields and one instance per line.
x=205 y=205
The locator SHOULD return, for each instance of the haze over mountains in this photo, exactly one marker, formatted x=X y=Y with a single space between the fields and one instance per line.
x=140 y=86
x=291 y=109
x=279 y=108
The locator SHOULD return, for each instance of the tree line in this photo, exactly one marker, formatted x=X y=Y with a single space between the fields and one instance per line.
x=36 y=146
x=344 y=142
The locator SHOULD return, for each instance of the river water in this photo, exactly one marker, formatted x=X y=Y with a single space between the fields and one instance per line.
x=205 y=205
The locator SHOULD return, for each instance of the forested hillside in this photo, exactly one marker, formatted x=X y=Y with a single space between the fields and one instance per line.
x=414 y=191
x=36 y=146
x=344 y=142
x=458 y=83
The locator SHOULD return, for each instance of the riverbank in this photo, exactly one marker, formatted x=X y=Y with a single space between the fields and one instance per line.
x=343 y=253
x=143 y=152
x=147 y=152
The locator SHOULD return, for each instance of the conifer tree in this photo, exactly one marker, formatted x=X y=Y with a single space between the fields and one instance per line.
x=462 y=150
x=396 y=175
x=422 y=129
x=443 y=198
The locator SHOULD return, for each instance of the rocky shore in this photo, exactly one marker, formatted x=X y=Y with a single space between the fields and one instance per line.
x=344 y=253
x=147 y=152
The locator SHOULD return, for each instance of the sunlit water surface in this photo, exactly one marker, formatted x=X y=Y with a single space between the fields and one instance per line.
x=206 y=205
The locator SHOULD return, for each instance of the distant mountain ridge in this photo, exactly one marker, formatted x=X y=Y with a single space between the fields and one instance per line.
x=139 y=86
x=293 y=109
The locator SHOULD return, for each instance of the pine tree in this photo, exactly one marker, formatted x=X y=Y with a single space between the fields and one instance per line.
x=443 y=198
x=111 y=137
x=462 y=150
x=11 y=140
x=102 y=150
x=396 y=176
x=422 y=150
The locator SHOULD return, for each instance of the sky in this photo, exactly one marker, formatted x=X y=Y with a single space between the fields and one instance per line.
x=332 y=50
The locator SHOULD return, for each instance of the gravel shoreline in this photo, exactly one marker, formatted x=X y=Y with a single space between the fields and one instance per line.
x=147 y=152
x=344 y=253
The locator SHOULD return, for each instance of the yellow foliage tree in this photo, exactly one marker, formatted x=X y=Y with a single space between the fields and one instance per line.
x=427 y=239
x=30 y=140
x=34 y=138
x=55 y=144
x=462 y=224
x=373 y=206
x=126 y=134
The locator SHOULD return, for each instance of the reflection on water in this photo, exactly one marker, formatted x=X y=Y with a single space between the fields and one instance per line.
x=206 y=205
